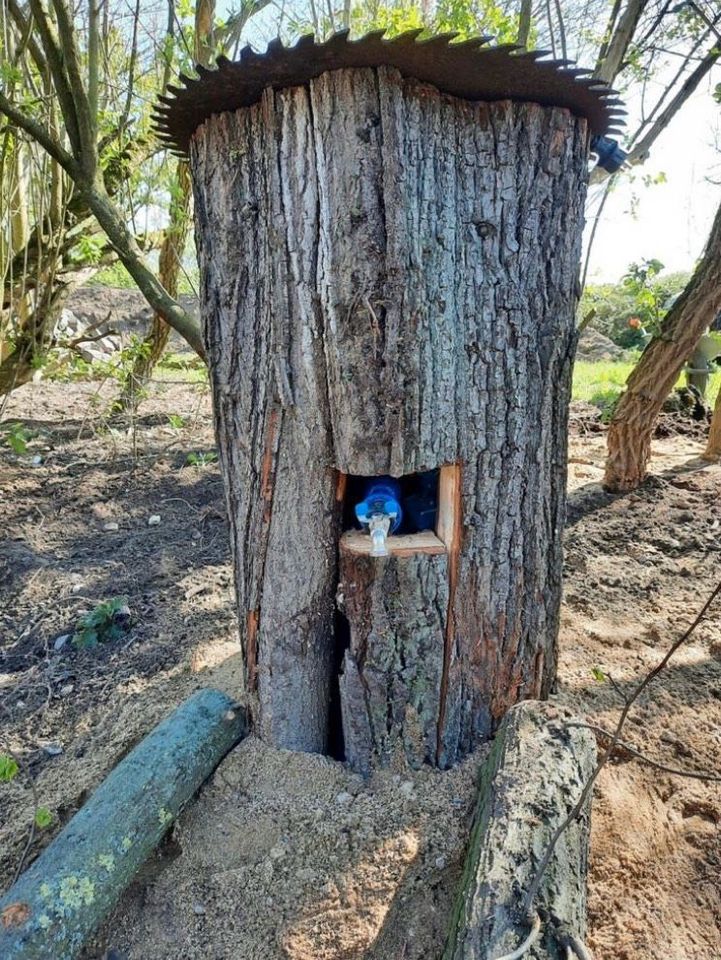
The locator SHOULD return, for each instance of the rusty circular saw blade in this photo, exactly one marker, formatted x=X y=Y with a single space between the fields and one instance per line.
x=468 y=69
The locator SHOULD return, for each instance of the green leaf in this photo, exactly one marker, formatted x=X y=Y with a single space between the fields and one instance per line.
x=8 y=768
x=598 y=675
x=43 y=817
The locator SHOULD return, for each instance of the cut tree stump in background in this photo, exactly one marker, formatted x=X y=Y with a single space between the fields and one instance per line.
x=531 y=780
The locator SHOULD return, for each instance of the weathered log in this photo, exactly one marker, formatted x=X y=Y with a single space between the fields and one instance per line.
x=389 y=280
x=392 y=672
x=529 y=783
x=64 y=895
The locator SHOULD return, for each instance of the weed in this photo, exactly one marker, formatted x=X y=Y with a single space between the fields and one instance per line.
x=16 y=437
x=8 y=768
x=176 y=421
x=202 y=459
x=105 y=623
x=43 y=817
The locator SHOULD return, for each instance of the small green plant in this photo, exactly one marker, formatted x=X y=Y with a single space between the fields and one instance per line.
x=598 y=675
x=176 y=421
x=43 y=818
x=202 y=459
x=8 y=768
x=105 y=623
x=16 y=437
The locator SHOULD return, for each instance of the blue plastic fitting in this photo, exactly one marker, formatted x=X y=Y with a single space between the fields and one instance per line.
x=611 y=157
x=382 y=497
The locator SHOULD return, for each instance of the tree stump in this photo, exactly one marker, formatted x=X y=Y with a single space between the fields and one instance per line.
x=529 y=784
x=389 y=282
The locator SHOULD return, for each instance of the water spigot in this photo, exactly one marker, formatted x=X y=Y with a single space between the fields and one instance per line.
x=378 y=529
x=380 y=512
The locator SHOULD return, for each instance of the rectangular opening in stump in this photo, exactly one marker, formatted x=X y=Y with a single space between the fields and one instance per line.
x=424 y=508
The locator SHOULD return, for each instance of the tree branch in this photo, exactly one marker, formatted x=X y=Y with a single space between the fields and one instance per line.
x=40 y=134
x=54 y=59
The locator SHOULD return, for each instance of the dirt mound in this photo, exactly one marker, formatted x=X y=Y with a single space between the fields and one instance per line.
x=593 y=345
x=292 y=857
x=123 y=310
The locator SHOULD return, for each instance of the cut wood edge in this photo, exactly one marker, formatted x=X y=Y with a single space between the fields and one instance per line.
x=529 y=783
x=61 y=899
x=405 y=545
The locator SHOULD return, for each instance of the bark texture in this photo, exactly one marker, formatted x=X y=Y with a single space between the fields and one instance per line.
x=713 y=446
x=392 y=672
x=62 y=898
x=529 y=784
x=389 y=280
x=653 y=378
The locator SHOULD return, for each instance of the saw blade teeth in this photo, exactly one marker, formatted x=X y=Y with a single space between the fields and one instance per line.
x=472 y=43
x=307 y=40
x=338 y=39
x=372 y=37
x=408 y=36
x=468 y=68
x=441 y=39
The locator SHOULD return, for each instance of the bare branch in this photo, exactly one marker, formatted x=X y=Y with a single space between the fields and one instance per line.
x=40 y=134
x=623 y=747
x=524 y=22
x=611 y=61
x=54 y=58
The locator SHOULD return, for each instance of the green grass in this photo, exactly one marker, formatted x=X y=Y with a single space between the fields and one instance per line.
x=601 y=382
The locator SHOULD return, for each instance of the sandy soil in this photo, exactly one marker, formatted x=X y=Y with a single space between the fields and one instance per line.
x=290 y=856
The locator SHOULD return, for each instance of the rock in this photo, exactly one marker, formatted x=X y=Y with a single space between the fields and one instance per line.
x=61 y=641
x=110 y=527
x=154 y=520
x=406 y=788
x=52 y=749
x=198 y=909
x=66 y=690
x=343 y=797
x=278 y=852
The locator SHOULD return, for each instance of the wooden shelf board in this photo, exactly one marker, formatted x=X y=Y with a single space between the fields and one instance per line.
x=356 y=541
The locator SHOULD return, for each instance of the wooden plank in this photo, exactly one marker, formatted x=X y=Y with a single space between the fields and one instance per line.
x=358 y=542
x=449 y=505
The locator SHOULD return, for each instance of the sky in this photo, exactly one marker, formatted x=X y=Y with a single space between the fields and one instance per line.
x=670 y=221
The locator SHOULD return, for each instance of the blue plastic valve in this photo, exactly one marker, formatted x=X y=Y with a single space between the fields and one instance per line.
x=382 y=498
x=611 y=157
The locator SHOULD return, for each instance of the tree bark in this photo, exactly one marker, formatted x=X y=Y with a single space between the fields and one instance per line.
x=393 y=670
x=527 y=787
x=389 y=279
x=62 y=898
x=653 y=378
x=713 y=446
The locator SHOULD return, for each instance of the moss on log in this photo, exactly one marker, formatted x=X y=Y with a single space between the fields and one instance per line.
x=527 y=786
x=60 y=900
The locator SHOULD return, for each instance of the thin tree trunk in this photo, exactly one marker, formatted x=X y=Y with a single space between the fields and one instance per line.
x=653 y=378
x=713 y=447
x=169 y=269
x=389 y=280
